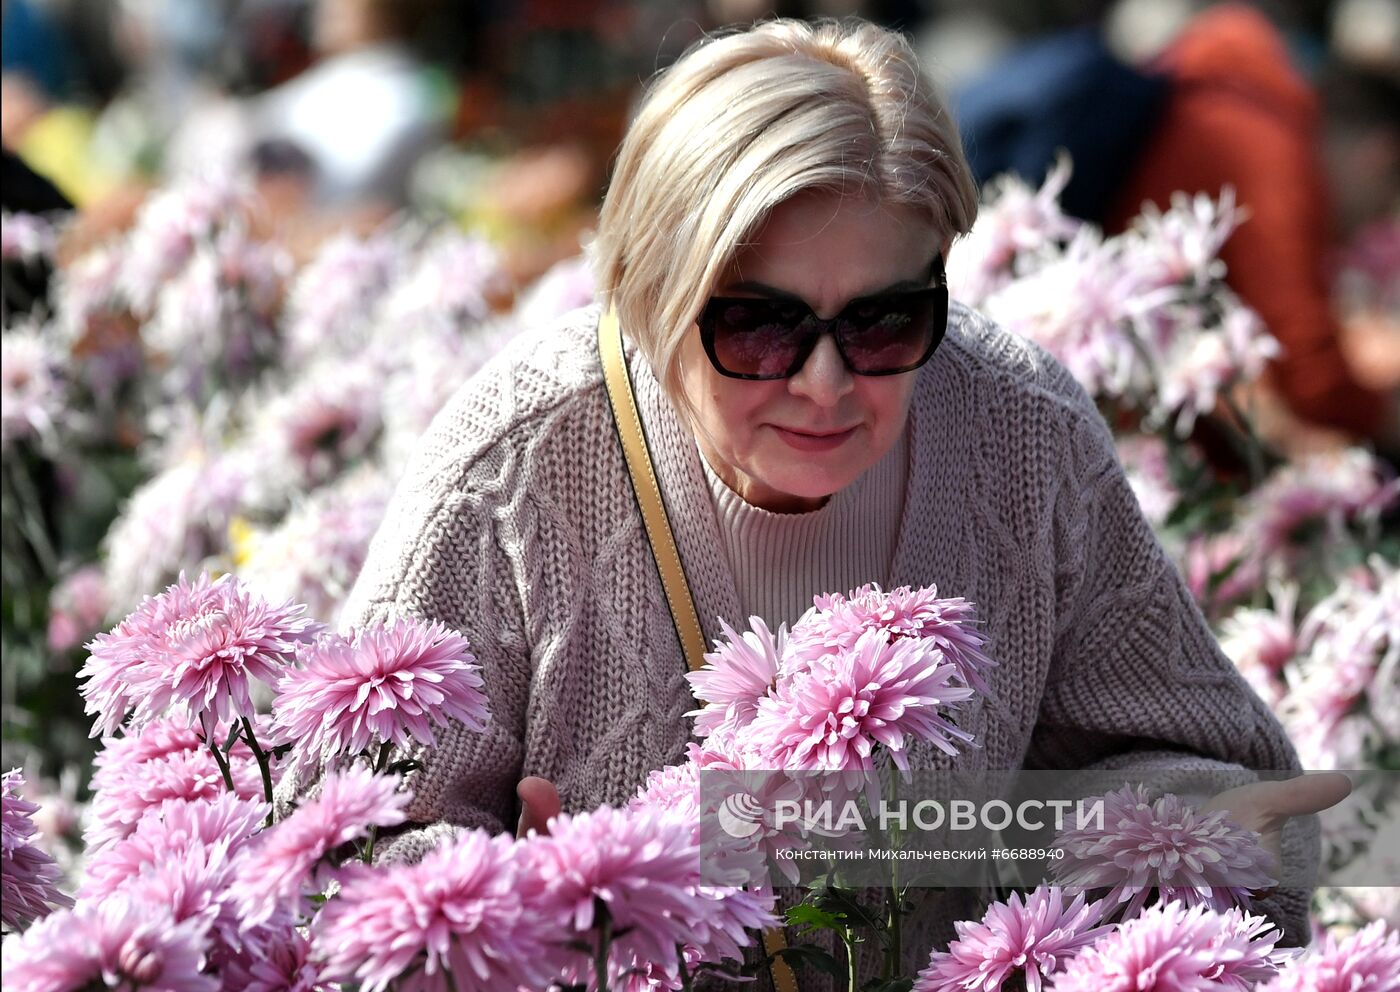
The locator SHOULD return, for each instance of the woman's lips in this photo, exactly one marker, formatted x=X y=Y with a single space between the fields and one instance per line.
x=804 y=441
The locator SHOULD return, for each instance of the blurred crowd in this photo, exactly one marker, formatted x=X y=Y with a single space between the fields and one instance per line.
x=502 y=115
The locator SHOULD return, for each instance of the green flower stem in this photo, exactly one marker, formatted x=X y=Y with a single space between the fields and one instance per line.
x=686 y=984
x=600 y=959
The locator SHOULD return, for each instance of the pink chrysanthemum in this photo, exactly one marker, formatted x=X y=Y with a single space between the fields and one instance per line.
x=1167 y=846
x=737 y=674
x=1365 y=961
x=465 y=908
x=836 y=621
x=386 y=683
x=1174 y=949
x=77 y=607
x=641 y=867
x=111 y=943
x=1262 y=642
x=32 y=400
x=30 y=876
x=284 y=965
x=169 y=829
x=1025 y=942
x=350 y=802
x=165 y=762
x=880 y=691
x=195 y=647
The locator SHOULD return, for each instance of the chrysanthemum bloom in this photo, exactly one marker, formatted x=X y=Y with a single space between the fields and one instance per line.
x=1166 y=846
x=836 y=621
x=386 y=683
x=880 y=691
x=77 y=608
x=465 y=908
x=287 y=856
x=193 y=650
x=1174 y=949
x=29 y=875
x=1025 y=942
x=737 y=674
x=169 y=227
x=174 y=521
x=1148 y=470
x=450 y=284
x=1015 y=226
x=566 y=286
x=314 y=554
x=1262 y=642
x=1198 y=367
x=112 y=943
x=31 y=392
x=332 y=302
x=641 y=867
x=1365 y=961
x=164 y=831
x=137 y=775
x=283 y=966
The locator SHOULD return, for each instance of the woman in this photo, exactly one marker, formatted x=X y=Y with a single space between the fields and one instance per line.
x=787 y=171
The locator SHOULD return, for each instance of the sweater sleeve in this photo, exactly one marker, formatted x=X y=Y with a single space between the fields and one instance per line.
x=439 y=555
x=1137 y=680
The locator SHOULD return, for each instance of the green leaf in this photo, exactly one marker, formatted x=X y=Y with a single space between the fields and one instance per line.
x=810 y=918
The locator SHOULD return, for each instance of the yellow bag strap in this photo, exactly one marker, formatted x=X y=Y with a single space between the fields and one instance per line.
x=663 y=547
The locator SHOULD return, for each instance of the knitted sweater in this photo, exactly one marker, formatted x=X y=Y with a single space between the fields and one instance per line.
x=516 y=524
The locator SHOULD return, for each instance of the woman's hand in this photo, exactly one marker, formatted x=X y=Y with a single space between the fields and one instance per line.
x=1265 y=807
x=539 y=802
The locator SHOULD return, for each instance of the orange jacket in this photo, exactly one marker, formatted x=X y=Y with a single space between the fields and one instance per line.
x=1240 y=115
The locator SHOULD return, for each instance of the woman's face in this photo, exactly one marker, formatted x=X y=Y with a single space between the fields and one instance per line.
x=787 y=444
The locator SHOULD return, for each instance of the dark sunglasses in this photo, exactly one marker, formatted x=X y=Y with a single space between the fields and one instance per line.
x=876 y=335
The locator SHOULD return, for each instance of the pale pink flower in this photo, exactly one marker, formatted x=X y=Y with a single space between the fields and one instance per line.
x=168 y=829
x=314 y=554
x=1198 y=366
x=641 y=867
x=85 y=290
x=1165 y=847
x=287 y=857
x=30 y=876
x=116 y=943
x=1015 y=227
x=331 y=304
x=566 y=286
x=283 y=965
x=1146 y=465
x=1184 y=241
x=1327 y=491
x=170 y=226
x=176 y=521
x=32 y=393
x=194 y=648
x=1016 y=945
x=466 y=908
x=386 y=683
x=1261 y=642
x=836 y=622
x=1365 y=961
x=78 y=607
x=737 y=674
x=1174 y=949
x=165 y=761
x=449 y=286
x=25 y=237
x=880 y=691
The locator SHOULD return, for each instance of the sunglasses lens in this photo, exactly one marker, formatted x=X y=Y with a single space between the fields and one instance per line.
x=757 y=338
x=892 y=334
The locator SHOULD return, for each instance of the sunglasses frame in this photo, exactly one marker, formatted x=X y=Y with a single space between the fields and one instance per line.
x=706 y=323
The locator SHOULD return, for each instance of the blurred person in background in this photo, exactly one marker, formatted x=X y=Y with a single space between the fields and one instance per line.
x=1221 y=105
x=363 y=115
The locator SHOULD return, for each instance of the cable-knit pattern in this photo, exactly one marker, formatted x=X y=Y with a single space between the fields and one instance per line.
x=516 y=524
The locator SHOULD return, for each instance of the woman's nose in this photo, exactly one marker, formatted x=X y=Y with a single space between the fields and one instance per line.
x=823 y=378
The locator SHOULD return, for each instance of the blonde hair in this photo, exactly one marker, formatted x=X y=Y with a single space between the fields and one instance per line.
x=743 y=122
